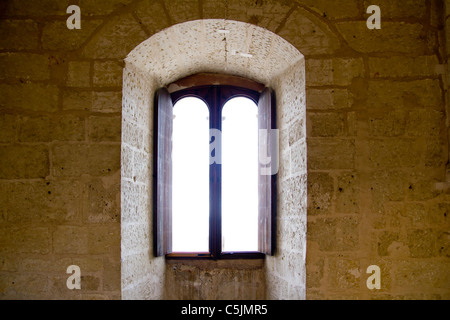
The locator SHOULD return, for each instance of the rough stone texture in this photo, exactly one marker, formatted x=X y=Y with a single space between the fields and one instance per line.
x=374 y=121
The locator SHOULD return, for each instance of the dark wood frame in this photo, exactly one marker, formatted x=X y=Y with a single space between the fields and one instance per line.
x=215 y=90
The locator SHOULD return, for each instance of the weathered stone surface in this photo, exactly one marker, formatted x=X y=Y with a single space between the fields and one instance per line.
x=406 y=9
x=79 y=74
x=331 y=153
x=30 y=96
x=121 y=29
x=334 y=234
x=72 y=160
x=19 y=35
x=392 y=37
x=56 y=35
x=322 y=72
x=105 y=128
x=41 y=8
x=9 y=125
x=320 y=193
x=110 y=101
x=326 y=124
x=267 y=14
x=392 y=94
x=323 y=99
x=25 y=66
x=45 y=129
x=41 y=201
x=107 y=74
x=103 y=7
x=24 y=162
x=347 y=195
x=400 y=66
x=310 y=35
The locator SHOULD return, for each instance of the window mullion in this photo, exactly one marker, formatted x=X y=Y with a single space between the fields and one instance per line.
x=215 y=178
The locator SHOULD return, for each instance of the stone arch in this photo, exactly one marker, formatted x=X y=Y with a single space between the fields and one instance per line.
x=202 y=46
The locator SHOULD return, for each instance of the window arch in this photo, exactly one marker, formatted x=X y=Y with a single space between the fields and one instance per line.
x=221 y=92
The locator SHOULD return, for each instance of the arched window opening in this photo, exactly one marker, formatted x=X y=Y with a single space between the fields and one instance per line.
x=213 y=196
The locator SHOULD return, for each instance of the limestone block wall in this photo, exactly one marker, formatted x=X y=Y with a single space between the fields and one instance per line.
x=375 y=131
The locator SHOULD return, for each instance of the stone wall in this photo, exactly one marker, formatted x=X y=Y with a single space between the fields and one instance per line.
x=376 y=135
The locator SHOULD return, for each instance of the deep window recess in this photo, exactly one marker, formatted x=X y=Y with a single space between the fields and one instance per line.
x=213 y=196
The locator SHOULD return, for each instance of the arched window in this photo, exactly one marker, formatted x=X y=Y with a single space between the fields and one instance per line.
x=214 y=192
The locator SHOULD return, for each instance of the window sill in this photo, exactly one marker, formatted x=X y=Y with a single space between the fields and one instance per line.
x=208 y=264
x=223 y=256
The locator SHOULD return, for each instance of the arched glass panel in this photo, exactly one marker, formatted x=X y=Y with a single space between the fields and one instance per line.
x=190 y=182
x=240 y=175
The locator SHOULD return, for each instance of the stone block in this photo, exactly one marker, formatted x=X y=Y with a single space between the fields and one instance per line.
x=19 y=35
x=25 y=239
x=424 y=273
x=37 y=9
x=347 y=193
x=298 y=158
x=330 y=153
x=101 y=200
x=334 y=10
x=325 y=124
x=266 y=14
x=104 y=239
x=102 y=7
x=386 y=185
x=26 y=66
x=309 y=34
x=398 y=37
x=405 y=9
x=422 y=243
x=320 y=193
x=107 y=102
x=56 y=35
x=334 y=234
x=78 y=74
x=29 y=96
x=388 y=124
x=107 y=74
x=423 y=122
x=343 y=274
x=152 y=16
x=401 y=66
x=297 y=131
x=435 y=155
x=337 y=71
x=9 y=125
x=409 y=94
x=78 y=159
x=123 y=29
x=71 y=240
x=323 y=99
x=45 y=129
x=24 y=162
x=385 y=240
x=395 y=152
x=41 y=201
x=77 y=100
x=438 y=214
x=105 y=128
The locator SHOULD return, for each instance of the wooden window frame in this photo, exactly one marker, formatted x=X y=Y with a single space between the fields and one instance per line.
x=215 y=90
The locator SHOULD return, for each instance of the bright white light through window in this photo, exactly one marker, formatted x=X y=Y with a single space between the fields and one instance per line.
x=190 y=176
x=240 y=176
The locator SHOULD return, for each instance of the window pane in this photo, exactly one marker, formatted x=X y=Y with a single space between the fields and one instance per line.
x=190 y=185
x=240 y=176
